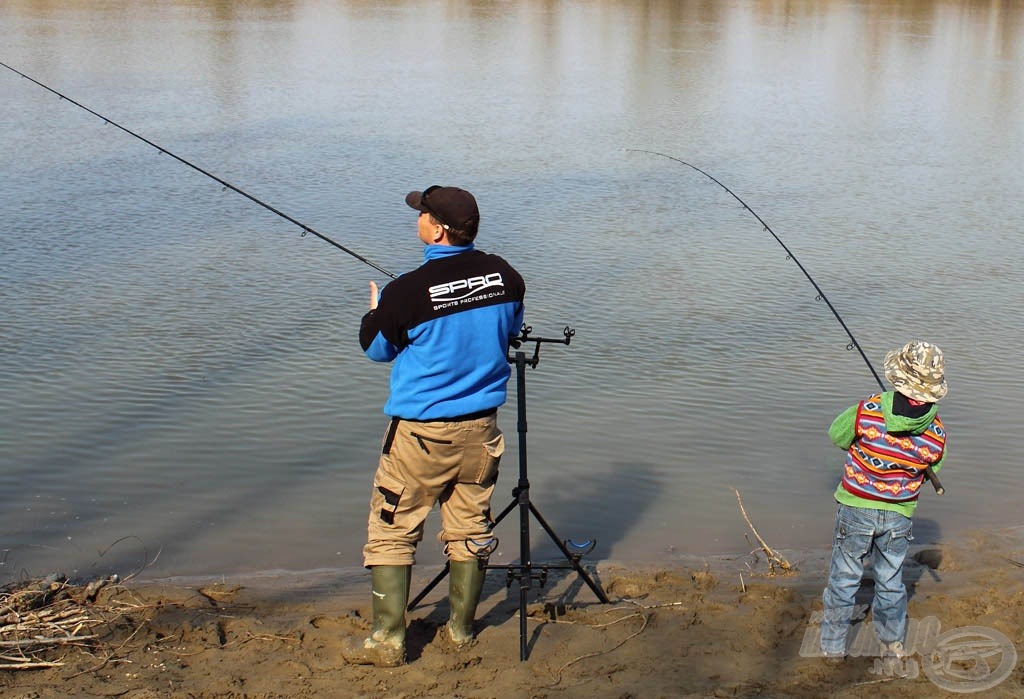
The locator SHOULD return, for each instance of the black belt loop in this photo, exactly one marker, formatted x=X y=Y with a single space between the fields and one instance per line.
x=390 y=437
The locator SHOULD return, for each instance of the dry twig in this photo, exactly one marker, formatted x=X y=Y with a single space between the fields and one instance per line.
x=634 y=615
x=774 y=558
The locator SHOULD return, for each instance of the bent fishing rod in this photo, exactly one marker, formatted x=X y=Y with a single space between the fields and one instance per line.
x=305 y=229
x=929 y=474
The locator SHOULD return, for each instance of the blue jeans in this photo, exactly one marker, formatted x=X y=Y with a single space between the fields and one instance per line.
x=884 y=536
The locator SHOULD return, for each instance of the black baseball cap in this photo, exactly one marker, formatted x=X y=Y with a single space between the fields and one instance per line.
x=453 y=207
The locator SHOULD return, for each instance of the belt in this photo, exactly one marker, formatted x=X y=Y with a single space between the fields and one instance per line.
x=460 y=418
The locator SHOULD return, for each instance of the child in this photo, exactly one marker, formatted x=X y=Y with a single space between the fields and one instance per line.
x=889 y=438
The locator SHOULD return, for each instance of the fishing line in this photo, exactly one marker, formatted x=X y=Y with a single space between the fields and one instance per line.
x=929 y=474
x=305 y=229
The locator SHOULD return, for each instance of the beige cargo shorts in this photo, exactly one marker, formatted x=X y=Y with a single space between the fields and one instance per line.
x=454 y=464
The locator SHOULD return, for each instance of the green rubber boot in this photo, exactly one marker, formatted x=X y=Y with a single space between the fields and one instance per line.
x=386 y=645
x=465 y=583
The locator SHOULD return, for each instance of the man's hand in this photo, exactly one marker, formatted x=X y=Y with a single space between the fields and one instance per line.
x=373 y=296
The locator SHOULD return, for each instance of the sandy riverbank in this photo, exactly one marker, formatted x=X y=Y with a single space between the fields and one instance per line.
x=708 y=627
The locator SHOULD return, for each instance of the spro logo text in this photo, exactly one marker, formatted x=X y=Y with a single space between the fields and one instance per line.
x=462 y=288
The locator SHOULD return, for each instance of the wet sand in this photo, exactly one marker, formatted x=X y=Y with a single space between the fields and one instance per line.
x=715 y=627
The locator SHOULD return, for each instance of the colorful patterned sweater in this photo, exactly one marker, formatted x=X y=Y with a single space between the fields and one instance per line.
x=843 y=432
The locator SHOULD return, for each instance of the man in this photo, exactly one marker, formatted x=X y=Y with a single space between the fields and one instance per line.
x=890 y=439
x=446 y=326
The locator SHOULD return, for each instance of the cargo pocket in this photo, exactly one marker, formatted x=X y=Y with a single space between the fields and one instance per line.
x=388 y=492
x=854 y=540
x=486 y=471
x=899 y=540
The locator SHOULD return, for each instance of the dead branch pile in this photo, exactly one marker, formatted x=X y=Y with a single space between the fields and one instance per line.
x=41 y=619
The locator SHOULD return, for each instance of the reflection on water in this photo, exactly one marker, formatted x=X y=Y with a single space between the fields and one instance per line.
x=181 y=378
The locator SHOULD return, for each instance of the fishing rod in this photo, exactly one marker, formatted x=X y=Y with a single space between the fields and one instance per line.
x=305 y=229
x=929 y=474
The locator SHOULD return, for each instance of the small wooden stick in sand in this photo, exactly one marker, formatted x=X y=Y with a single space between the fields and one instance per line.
x=774 y=558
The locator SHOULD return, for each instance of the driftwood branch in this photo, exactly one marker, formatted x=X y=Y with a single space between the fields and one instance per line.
x=774 y=557
x=28 y=665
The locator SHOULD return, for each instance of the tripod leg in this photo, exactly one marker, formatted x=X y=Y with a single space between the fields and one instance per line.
x=523 y=652
x=430 y=586
x=595 y=588
x=511 y=506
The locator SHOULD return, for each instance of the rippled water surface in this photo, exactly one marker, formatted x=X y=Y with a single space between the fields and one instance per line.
x=180 y=377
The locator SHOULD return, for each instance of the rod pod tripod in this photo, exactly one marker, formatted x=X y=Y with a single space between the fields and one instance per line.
x=525 y=572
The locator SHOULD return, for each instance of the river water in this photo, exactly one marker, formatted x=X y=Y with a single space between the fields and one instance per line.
x=181 y=385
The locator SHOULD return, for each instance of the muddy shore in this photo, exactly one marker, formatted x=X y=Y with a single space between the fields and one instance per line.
x=706 y=627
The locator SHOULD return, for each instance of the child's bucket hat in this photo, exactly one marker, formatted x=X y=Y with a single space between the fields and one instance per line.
x=918 y=371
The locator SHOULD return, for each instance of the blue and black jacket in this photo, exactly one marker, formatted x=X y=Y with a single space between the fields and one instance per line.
x=446 y=325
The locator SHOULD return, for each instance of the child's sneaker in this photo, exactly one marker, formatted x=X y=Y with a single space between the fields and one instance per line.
x=893 y=650
x=837 y=658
